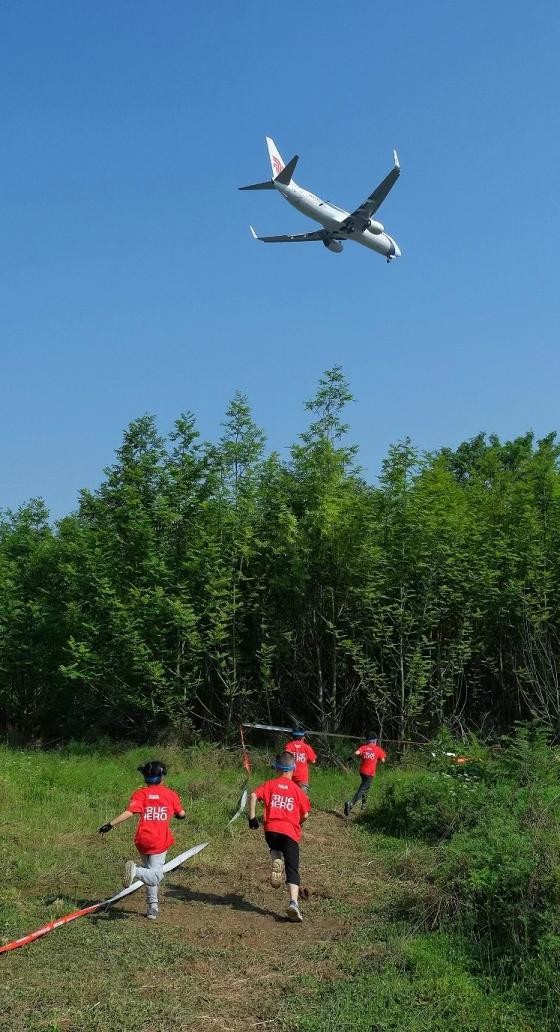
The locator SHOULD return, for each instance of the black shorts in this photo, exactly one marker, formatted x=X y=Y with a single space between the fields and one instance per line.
x=290 y=851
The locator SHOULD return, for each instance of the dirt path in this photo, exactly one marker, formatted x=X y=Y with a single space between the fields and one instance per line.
x=244 y=950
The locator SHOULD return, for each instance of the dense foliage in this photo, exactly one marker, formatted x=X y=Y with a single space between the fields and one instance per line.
x=203 y=583
x=496 y=882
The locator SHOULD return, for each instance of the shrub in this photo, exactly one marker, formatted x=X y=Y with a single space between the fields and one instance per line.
x=424 y=805
x=496 y=880
x=491 y=878
x=501 y=881
x=526 y=758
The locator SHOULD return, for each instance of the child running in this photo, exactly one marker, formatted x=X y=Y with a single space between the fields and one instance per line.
x=304 y=755
x=156 y=805
x=369 y=754
x=286 y=808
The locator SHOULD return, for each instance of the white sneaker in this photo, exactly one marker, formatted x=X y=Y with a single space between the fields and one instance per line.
x=152 y=912
x=129 y=873
x=293 y=912
x=277 y=873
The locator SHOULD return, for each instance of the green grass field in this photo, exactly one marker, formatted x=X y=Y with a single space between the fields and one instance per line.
x=221 y=956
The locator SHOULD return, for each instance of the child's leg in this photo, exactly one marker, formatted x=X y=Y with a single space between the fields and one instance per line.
x=274 y=845
x=277 y=873
x=365 y=788
x=151 y=874
x=290 y=852
x=365 y=781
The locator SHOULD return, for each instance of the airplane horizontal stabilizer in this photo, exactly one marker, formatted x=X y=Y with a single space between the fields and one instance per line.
x=269 y=185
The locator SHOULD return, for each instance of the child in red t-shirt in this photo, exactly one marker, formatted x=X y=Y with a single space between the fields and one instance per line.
x=370 y=753
x=304 y=755
x=155 y=805
x=286 y=807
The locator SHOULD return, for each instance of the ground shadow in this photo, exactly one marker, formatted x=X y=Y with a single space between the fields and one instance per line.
x=113 y=915
x=336 y=813
x=228 y=899
x=70 y=901
x=110 y=914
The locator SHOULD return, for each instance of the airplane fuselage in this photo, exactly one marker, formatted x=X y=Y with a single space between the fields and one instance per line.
x=332 y=217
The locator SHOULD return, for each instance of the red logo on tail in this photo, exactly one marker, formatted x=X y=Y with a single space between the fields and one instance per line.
x=277 y=164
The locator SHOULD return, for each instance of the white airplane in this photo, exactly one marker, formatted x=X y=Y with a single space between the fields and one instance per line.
x=337 y=224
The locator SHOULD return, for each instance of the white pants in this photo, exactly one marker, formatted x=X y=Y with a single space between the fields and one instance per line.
x=151 y=874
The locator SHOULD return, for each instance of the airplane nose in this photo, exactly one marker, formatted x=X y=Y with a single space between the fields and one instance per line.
x=395 y=249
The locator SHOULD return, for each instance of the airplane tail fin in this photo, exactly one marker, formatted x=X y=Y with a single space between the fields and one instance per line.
x=276 y=159
x=281 y=173
x=285 y=176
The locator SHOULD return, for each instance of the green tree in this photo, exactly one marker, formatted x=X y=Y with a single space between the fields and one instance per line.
x=32 y=624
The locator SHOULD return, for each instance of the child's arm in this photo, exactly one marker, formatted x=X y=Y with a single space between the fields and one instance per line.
x=253 y=819
x=116 y=820
x=179 y=809
x=304 y=807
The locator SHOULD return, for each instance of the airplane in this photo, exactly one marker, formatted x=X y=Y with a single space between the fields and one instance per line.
x=338 y=225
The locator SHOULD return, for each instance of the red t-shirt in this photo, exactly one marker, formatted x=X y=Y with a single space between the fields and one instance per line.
x=285 y=803
x=304 y=754
x=369 y=755
x=156 y=805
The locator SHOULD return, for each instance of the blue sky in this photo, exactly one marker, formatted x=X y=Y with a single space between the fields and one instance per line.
x=129 y=282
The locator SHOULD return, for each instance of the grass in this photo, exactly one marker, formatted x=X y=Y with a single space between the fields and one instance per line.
x=52 y=805
x=115 y=971
x=422 y=986
x=221 y=956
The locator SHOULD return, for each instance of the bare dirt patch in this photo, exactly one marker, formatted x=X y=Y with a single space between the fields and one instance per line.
x=244 y=952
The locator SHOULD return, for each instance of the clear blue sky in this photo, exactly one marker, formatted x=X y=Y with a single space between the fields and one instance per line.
x=129 y=282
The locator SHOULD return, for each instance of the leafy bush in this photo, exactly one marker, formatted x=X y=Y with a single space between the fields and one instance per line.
x=500 y=878
x=502 y=873
x=526 y=758
x=424 y=805
x=496 y=882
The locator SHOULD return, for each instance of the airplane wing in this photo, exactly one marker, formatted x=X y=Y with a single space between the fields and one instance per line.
x=298 y=238
x=359 y=218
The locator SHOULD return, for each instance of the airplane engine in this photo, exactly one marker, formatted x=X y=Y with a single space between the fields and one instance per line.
x=376 y=227
x=333 y=245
